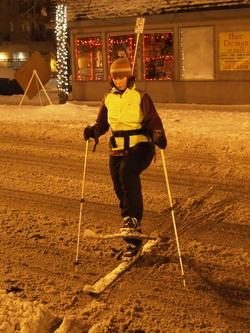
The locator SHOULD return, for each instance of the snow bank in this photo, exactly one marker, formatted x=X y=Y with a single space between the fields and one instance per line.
x=31 y=317
x=25 y=317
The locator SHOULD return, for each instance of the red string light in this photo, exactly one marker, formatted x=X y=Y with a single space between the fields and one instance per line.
x=157 y=50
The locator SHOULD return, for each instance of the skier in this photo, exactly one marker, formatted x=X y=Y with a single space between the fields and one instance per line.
x=135 y=126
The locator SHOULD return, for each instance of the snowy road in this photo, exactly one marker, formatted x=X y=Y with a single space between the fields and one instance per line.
x=42 y=153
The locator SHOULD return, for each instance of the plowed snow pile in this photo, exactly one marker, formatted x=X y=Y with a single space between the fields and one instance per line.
x=41 y=290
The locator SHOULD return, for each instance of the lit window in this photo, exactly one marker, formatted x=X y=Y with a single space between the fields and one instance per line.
x=158 y=58
x=3 y=56
x=197 y=53
x=52 y=64
x=121 y=46
x=89 y=59
x=20 y=56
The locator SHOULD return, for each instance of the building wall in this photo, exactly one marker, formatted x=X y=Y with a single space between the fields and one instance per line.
x=227 y=87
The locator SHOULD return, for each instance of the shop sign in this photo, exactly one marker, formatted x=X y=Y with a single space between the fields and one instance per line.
x=235 y=51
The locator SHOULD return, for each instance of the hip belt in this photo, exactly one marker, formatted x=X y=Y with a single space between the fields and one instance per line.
x=125 y=135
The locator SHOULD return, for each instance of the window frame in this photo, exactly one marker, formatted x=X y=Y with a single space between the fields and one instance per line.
x=210 y=76
x=166 y=31
x=109 y=61
x=85 y=36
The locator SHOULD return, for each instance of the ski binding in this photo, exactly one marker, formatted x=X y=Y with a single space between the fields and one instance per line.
x=91 y=234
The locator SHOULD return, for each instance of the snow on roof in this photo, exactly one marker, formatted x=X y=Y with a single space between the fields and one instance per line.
x=96 y=9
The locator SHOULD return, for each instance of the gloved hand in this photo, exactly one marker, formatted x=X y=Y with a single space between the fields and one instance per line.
x=91 y=132
x=88 y=133
x=160 y=139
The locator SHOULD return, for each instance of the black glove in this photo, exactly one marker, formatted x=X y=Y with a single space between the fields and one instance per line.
x=160 y=139
x=90 y=132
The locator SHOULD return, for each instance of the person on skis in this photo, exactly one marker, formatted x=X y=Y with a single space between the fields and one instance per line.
x=136 y=127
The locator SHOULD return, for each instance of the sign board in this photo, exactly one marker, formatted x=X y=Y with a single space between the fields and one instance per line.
x=235 y=51
x=24 y=74
x=139 y=26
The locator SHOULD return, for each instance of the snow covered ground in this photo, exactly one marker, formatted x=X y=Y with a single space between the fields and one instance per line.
x=42 y=154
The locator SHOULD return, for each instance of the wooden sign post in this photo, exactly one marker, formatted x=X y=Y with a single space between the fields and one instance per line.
x=38 y=81
x=139 y=27
x=33 y=75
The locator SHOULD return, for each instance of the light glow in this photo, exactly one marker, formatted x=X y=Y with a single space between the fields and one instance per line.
x=21 y=56
x=62 y=52
x=3 y=56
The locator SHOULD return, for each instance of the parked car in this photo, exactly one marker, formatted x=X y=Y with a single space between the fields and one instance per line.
x=8 y=84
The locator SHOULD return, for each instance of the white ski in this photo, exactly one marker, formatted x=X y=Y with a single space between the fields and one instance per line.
x=91 y=234
x=108 y=279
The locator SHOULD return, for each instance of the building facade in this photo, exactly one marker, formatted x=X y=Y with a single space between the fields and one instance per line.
x=23 y=31
x=188 y=55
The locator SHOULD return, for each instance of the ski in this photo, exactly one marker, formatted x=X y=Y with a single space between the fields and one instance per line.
x=112 y=276
x=91 y=234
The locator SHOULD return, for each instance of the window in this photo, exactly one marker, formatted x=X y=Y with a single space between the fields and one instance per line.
x=89 y=59
x=158 y=58
x=197 y=53
x=121 y=46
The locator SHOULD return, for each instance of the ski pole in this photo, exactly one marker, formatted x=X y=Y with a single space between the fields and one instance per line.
x=173 y=217
x=81 y=202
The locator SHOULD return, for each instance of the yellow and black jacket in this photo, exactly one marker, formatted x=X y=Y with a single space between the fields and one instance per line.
x=132 y=118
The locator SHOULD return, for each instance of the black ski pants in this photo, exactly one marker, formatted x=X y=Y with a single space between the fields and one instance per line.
x=125 y=173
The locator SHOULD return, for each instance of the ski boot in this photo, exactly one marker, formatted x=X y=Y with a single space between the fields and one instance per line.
x=130 y=225
x=131 y=250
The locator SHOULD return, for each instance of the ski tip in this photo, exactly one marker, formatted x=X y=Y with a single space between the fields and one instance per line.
x=88 y=289
x=89 y=234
